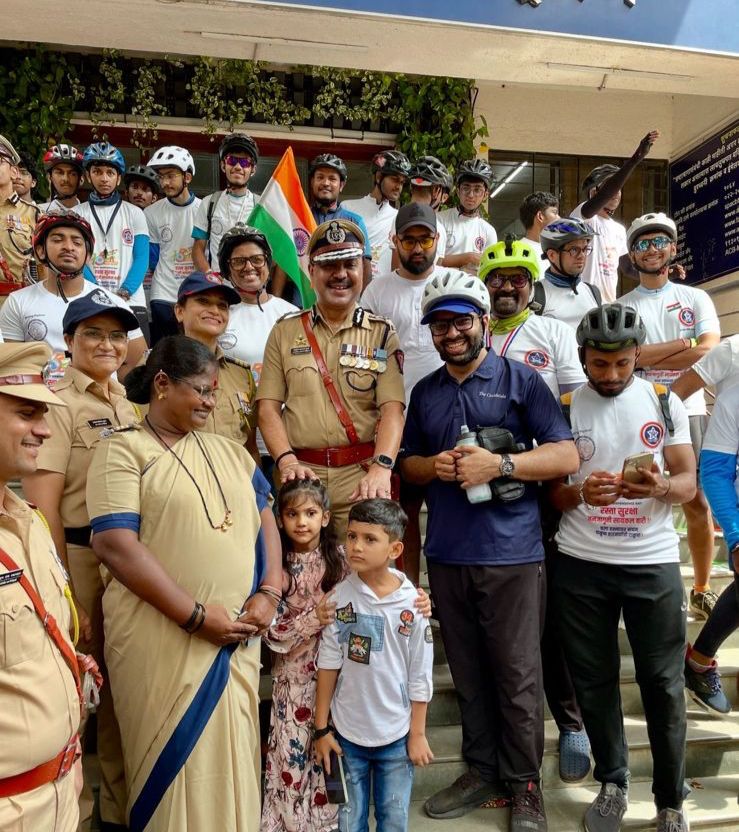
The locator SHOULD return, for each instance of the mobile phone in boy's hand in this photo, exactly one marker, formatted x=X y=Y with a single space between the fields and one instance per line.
x=335 y=781
x=630 y=471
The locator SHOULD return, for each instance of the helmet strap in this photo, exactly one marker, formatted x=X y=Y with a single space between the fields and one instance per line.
x=60 y=275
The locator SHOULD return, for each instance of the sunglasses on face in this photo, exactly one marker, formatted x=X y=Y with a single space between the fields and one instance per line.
x=258 y=261
x=518 y=281
x=409 y=243
x=462 y=323
x=659 y=243
x=241 y=161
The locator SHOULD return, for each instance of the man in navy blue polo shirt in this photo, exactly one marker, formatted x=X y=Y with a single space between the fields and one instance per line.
x=485 y=560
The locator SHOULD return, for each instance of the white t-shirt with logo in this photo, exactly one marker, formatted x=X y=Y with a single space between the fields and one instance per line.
x=170 y=227
x=547 y=346
x=35 y=314
x=246 y=336
x=606 y=431
x=609 y=245
x=672 y=312
x=111 y=269
x=720 y=367
x=464 y=234
x=380 y=222
x=229 y=210
x=399 y=299
x=567 y=305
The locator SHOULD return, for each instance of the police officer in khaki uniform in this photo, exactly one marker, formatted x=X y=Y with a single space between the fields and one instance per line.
x=17 y=220
x=202 y=311
x=96 y=336
x=39 y=700
x=344 y=430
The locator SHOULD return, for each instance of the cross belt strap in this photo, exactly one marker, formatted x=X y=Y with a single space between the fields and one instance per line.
x=48 y=620
x=328 y=382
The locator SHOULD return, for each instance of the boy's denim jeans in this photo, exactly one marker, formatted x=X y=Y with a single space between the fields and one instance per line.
x=388 y=771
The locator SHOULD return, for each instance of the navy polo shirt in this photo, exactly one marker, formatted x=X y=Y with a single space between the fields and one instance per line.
x=500 y=393
x=321 y=215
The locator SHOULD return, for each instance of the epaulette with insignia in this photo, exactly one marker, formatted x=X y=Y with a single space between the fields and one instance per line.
x=358 y=316
x=380 y=319
x=238 y=362
x=296 y=313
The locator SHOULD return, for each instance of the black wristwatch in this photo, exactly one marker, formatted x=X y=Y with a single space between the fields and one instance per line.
x=321 y=732
x=384 y=461
x=506 y=466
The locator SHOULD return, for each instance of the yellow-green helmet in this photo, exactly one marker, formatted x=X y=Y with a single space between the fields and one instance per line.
x=506 y=254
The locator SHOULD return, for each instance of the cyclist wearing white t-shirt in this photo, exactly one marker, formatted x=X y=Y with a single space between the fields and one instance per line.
x=468 y=234
x=390 y=171
x=618 y=556
x=602 y=189
x=682 y=327
x=121 y=254
x=170 y=224
x=536 y=211
x=63 y=166
x=219 y=211
x=719 y=369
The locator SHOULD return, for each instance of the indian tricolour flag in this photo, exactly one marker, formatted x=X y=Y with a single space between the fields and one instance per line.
x=282 y=214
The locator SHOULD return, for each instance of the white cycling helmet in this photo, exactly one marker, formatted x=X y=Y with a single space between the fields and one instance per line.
x=648 y=224
x=454 y=285
x=172 y=156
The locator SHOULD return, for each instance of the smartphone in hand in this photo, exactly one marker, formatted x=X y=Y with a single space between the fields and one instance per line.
x=631 y=463
x=335 y=781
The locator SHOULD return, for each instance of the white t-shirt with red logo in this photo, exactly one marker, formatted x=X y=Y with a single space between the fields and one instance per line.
x=671 y=312
x=113 y=253
x=380 y=222
x=609 y=245
x=464 y=234
x=170 y=227
x=606 y=431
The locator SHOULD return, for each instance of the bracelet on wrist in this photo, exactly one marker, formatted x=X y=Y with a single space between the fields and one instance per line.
x=195 y=621
x=291 y=452
x=322 y=732
x=191 y=620
x=199 y=623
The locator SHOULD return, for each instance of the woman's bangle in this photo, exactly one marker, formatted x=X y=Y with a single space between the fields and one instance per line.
x=199 y=623
x=195 y=621
x=291 y=452
x=191 y=620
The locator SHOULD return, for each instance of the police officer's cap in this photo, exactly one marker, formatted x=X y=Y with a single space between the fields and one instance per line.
x=198 y=282
x=21 y=366
x=96 y=303
x=336 y=240
x=8 y=152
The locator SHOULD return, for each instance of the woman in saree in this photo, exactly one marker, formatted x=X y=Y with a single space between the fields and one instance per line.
x=182 y=522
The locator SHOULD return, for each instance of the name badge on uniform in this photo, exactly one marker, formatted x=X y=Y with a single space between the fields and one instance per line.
x=11 y=577
x=99 y=423
x=300 y=346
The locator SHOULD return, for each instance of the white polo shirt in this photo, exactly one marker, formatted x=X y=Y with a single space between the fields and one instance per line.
x=465 y=234
x=113 y=253
x=609 y=245
x=170 y=227
x=671 y=312
x=229 y=210
x=399 y=299
x=380 y=222
x=720 y=367
x=606 y=431
x=547 y=346
x=384 y=651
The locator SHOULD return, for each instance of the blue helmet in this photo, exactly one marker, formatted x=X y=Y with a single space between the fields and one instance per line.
x=104 y=153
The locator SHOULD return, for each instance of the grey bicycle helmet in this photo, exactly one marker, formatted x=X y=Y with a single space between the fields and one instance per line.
x=475 y=169
x=391 y=162
x=611 y=327
x=561 y=231
x=598 y=176
x=328 y=160
x=239 y=141
x=454 y=284
x=428 y=170
x=145 y=174
x=648 y=224
x=237 y=234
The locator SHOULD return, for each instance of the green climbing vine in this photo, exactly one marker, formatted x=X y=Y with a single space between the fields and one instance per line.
x=145 y=106
x=109 y=94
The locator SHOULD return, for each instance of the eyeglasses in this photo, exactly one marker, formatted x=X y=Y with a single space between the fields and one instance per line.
x=659 y=243
x=409 y=243
x=518 y=281
x=98 y=336
x=461 y=323
x=258 y=261
x=203 y=391
x=472 y=190
x=241 y=161
x=576 y=251
x=169 y=177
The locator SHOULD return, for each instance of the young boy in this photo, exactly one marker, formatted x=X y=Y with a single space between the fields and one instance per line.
x=375 y=664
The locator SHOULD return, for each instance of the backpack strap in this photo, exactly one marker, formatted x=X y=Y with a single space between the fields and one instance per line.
x=663 y=395
x=565 y=402
x=540 y=298
x=214 y=200
x=595 y=291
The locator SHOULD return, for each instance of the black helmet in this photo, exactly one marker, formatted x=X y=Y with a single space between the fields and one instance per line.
x=328 y=160
x=598 y=176
x=145 y=174
x=430 y=170
x=239 y=141
x=475 y=169
x=611 y=327
x=391 y=161
x=237 y=234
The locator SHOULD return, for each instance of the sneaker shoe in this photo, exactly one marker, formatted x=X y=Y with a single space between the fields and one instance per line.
x=527 y=810
x=672 y=820
x=466 y=793
x=702 y=603
x=574 y=756
x=607 y=810
x=704 y=688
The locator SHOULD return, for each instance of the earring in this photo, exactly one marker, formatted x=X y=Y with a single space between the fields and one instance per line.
x=161 y=396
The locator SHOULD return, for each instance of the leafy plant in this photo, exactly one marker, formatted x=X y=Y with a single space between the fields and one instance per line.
x=109 y=95
x=149 y=76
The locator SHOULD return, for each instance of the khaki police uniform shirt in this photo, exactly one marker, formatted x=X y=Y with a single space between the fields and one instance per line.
x=39 y=708
x=234 y=415
x=17 y=221
x=75 y=431
x=365 y=362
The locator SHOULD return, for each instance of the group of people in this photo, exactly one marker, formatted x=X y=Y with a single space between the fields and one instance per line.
x=257 y=477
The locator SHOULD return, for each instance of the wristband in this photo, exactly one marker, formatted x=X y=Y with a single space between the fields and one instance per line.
x=291 y=452
x=322 y=732
x=693 y=343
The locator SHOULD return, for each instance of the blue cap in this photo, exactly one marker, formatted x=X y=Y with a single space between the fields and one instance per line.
x=452 y=305
x=198 y=282
x=96 y=302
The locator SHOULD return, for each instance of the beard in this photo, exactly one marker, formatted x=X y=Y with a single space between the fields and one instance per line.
x=474 y=348
x=419 y=266
x=609 y=392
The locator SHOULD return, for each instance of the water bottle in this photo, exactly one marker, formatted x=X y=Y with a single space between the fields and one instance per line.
x=476 y=493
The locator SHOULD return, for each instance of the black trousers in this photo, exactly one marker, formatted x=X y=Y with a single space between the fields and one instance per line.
x=723 y=622
x=589 y=598
x=163 y=321
x=491 y=621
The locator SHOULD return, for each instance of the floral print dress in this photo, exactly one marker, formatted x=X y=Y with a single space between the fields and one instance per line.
x=294 y=789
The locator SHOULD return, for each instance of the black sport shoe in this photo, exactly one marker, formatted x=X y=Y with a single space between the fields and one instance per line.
x=466 y=793
x=607 y=810
x=527 y=811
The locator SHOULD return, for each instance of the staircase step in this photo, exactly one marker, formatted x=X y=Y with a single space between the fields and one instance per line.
x=711 y=807
x=712 y=750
